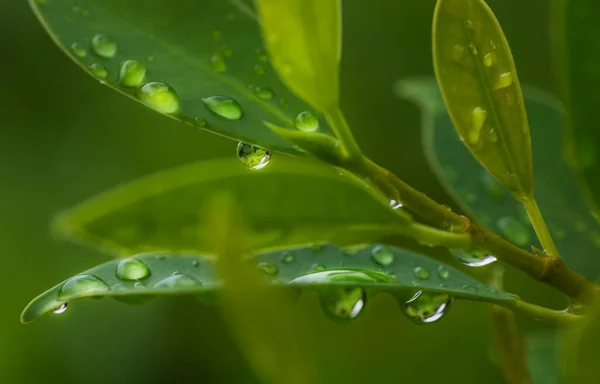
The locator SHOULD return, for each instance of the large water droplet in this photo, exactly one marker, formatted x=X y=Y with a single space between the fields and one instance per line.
x=443 y=273
x=478 y=118
x=343 y=304
x=505 y=80
x=421 y=273
x=382 y=255
x=82 y=285
x=99 y=70
x=458 y=53
x=61 y=309
x=217 y=63
x=104 y=46
x=132 y=73
x=488 y=59
x=177 y=281
x=424 y=307
x=307 y=121
x=224 y=107
x=252 y=156
x=474 y=258
x=513 y=230
x=263 y=93
x=158 y=96
x=267 y=268
x=132 y=269
x=78 y=49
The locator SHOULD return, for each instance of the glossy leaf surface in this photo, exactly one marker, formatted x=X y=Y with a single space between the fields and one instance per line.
x=477 y=76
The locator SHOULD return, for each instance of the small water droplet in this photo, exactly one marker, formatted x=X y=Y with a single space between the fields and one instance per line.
x=469 y=25
x=505 y=80
x=132 y=73
x=132 y=269
x=177 y=281
x=259 y=69
x=488 y=59
x=473 y=49
x=263 y=93
x=424 y=307
x=82 y=285
x=78 y=50
x=306 y=121
x=395 y=204
x=139 y=285
x=493 y=135
x=99 y=70
x=491 y=185
x=318 y=267
x=217 y=63
x=458 y=53
x=158 y=96
x=382 y=255
x=252 y=156
x=343 y=304
x=493 y=45
x=287 y=258
x=224 y=107
x=443 y=273
x=474 y=258
x=195 y=263
x=104 y=46
x=200 y=122
x=513 y=230
x=421 y=273
x=479 y=117
x=267 y=268
x=61 y=309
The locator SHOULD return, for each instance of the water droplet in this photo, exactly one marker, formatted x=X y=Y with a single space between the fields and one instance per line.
x=443 y=273
x=99 y=70
x=132 y=269
x=224 y=107
x=61 y=309
x=488 y=59
x=104 y=46
x=513 y=230
x=200 y=122
x=318 y=267
x=139 y=285
x=473 y=49
x=263 y=93
x=252 y=156
x=395 y=204
x=195 y=263
x=474 y=258
x=469 y=25
x=493 y=45
x=217 y=63
x=421 y=273
x=505 y=80
x=343 y=304
x=306 y=121
x=382 y=255
x=479 y=116
x=259 y=69
x=82 y=285
x=458 y=53
x=132 y=73
x=424 y=307
x=491 y=185
x=177 y=281
x=287 y=258
x=267 y=268
x=158 y=96
x=493 y=135
x=78 y=50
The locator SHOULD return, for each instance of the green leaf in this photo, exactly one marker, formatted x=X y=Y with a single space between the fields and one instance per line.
x=379 y=268
x=579 y=352
x=477 y=76
x=543 y=356
x=303 y=38
x=291 y=201
x=577 y=58
x=484 y=200
x=200 y=50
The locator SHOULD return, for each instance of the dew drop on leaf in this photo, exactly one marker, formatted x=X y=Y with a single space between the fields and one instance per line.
x=263 y=93
x=443 y=273
x=259 y=69
x=132 y=73
x=104 y=46
x=158 y=96
x=343 y=304
x=473 y=49
x=82 y=285
x=217 y=63
x=224 y=107
x=78 y=50
x=478 y=118
x=382 y=255
x=505 y=80
x=421 y=273
x=132 y=269
x=395 y=204
x=139 y=285
x=424 y=308
x=513 y=230
x=306 y=121
x=474 y=258
x=200 y=122
x=267 y=268
x=488 y=59
x=252 y=156
x=61 y=309
x=99 y=71
x=177 y=281
x=287 y=258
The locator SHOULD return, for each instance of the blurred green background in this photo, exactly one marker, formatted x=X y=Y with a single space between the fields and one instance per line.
x=64 y=138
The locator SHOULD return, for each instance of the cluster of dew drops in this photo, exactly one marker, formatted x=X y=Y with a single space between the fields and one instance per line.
x=157 y=95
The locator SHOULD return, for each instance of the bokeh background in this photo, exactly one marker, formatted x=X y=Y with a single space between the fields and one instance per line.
x=63 y=138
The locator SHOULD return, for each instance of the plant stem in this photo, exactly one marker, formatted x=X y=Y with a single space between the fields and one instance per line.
x=427 y=235
x=539 y=225
x=547 y=315
x=340 y=127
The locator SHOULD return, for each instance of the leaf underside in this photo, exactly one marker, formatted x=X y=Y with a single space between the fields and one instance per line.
x=281 y=267
x=485 y=200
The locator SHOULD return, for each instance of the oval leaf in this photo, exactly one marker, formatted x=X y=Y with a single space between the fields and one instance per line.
x=321 y=266
x=303 y=40
x=486 y=201
x=209 y=57
x=292 y=201
x=479 y=83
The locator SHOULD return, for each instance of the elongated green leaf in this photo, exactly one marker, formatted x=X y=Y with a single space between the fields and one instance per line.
x=543 y=350
x=577 y=58
x=292 y=201
x=484 y=199
x=479 y=83
x=201 y=50
x=303 y=38
x=379 y=268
